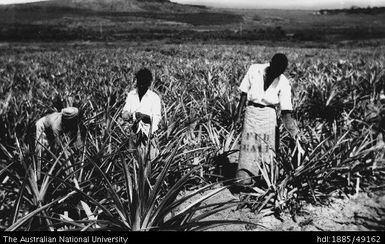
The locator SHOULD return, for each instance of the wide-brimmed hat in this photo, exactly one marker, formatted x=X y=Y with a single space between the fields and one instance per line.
x=69 y=113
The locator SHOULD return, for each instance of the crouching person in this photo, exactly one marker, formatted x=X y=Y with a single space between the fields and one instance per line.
x=143 y=111
x=54 y=129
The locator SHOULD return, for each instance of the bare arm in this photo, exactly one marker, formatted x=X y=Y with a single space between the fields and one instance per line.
x=126 y=115
x=143 y=117
x=241 y=104
x=289 y=123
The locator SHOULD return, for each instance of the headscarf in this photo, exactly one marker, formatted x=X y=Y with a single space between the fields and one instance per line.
x=69 y=113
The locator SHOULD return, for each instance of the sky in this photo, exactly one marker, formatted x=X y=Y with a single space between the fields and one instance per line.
x=286 y=4
x=17 y=1
x=282 y=4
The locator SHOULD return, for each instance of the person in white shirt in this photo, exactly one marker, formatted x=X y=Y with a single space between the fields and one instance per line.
x=53 y=128
x=143 y=109
x=264 y=87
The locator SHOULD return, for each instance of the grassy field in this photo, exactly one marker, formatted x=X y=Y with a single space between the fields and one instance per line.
x=335 y=100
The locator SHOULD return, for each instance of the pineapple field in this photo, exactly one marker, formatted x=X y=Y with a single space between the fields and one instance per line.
x=102 y=185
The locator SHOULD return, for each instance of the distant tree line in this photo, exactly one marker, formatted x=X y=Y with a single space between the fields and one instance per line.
x=25 y=32
x=35 y=32
x=354 y=10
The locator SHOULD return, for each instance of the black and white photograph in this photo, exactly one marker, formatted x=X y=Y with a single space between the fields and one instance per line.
x=192 y=116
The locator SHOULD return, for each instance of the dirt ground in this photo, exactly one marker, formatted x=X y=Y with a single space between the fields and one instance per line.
x=359 y=212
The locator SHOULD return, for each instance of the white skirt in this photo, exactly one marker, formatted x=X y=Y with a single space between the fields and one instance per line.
x=258 y=141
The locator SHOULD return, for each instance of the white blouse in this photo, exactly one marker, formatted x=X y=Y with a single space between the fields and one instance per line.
x=279 y=91
x=149 y=105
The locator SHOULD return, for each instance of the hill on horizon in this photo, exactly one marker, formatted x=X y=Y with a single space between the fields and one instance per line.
x=108 y=6
x=127 y=20
x=61 y=20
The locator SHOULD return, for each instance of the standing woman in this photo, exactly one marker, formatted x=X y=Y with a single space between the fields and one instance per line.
x=143 y=110
x=262 y=89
